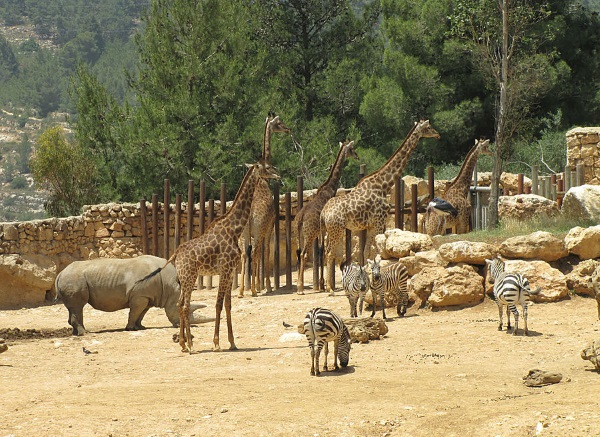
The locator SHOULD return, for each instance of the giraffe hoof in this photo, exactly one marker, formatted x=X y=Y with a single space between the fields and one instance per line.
x=300 y=292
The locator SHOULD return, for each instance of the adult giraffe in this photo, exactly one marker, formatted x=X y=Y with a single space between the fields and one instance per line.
x=307 y=219
x=457 y=194
x=262 y=219
x=216 y=252
x=366 y=206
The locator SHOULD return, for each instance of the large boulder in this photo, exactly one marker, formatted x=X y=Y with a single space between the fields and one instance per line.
x=537 y=245
x=578 y=279
x=584 y=242
x=417 y=262
x=582 y=202
x=470 y=252
x=25 y=280
x=539 y=274
x=395 y=243
x=508 y=181
x=526 y=206
x=442 y=287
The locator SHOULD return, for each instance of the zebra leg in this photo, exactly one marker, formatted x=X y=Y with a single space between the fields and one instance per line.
x=361 y=302
x=500 y=315
x=508 y=311
x=382 y=299
x=312 y=360
x=326 y=352
x=515 y=312
x=336 y=342
x=317 y=371
x=524 y=310
x=374 y=304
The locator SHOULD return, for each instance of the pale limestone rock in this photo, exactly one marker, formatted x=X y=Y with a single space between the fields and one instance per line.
x=584 y=242
x=442 y=287
x=24 y=280
x=417 y=262
x=470 y=252
x=539 y=274
x=582 y=202
x=526 y=206
x=509 y=181
x=537 y=245
x=579 y=279
x=395 y=243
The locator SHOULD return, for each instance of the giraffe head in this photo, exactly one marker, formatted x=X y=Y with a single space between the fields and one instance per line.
x=274 y=124
x=264 y=170
x=483 y=146
x=349 y=149
x=426 y=130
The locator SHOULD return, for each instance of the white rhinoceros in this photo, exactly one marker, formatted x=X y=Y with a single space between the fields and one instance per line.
x=109 y=284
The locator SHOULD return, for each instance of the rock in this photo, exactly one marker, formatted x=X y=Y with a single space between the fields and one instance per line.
x=508 y=181
x=584 y=242
x=595 y=282
x=470 y=252
x=25 y=280
x=395 y=243
x=3 y=346
x=417 y=262
x=442 y=287
x=579 y=279
x=540 y=245
x=363 y=329
x=540 y=378
x=526 y=206
x=582 y=202
x=591 y=353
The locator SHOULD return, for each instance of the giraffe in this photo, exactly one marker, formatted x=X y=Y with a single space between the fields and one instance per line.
x=457 y=195
x=366 y=206
x=307 y=219
x=216 y=252
x=262 y=218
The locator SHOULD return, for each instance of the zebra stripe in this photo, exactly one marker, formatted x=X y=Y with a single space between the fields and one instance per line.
x=320 y=327
x=355 y=281
x=393 y=277
x=509 y=289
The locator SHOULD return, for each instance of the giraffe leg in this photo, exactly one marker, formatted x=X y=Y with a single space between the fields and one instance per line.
x=301 y=267
x=268 y=258
x=243 y=275
x=232 y=345
x=218 y=309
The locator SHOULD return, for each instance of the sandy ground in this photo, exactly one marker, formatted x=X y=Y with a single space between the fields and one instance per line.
x=435 y=373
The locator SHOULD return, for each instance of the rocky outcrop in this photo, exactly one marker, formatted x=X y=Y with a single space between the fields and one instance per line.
x=470 y=252
x=538 y=245
x=25 y=280
x=584 y=242
x=578 y=279
x=582 y=203
x=524 y=207
x=395 y=243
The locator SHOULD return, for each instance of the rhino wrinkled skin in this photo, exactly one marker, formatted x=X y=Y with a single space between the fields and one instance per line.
x=109 y=284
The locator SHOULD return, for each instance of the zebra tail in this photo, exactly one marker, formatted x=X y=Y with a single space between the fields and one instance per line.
x=536 y=291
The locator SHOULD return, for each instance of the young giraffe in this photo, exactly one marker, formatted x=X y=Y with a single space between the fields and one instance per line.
x=262 y=218
x=366 y=206
x=458 y=196
x=307 y=219
x=216 y=252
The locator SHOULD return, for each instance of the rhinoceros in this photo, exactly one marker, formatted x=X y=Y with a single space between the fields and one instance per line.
x=109 y=284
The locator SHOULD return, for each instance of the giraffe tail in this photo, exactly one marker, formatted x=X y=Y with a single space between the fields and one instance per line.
x=249 y=261
x=157 y=271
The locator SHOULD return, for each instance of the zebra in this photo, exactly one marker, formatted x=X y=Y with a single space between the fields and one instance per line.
x=355 y=281
x=322 y=326
x=392 y=277
x=509 y=289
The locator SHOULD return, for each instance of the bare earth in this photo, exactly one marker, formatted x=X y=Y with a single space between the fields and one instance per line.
x=435 y=373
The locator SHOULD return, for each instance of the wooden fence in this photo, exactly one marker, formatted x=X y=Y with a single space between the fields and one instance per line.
x=552 y=187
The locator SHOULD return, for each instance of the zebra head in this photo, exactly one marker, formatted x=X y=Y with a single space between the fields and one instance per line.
x=495 y=267
x=375 y=269
x=344 y=347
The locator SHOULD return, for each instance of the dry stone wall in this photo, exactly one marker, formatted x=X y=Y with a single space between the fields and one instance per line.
x=583 y=147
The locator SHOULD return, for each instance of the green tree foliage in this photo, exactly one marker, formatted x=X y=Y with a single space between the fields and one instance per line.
x=9 y=66
x=62 y=167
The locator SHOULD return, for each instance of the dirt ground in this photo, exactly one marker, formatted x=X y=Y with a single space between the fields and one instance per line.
x=447 y=373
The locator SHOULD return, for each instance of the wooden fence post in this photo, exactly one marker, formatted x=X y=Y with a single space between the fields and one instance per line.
x=431 y=182
x=534 y=179
x=398 y=206
x=202 y=222
x=166 y=218
x=414 y=207
x=190 y=211
x=155 y=224
x=288 y=240
x=211 y=217
x=144 y=225
x=276 y=250
x=177 y=234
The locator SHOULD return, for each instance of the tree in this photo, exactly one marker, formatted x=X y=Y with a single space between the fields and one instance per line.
x=506 y=38
x=61 y=167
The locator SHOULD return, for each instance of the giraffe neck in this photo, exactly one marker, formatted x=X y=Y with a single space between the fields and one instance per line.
x=332 y=183
x=460 y=185
x=267 y=141
x=383 y=179
x=236 y=218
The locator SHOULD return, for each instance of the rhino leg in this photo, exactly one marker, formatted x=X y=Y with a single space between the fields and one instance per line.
x=138 y=307
x=76 y=320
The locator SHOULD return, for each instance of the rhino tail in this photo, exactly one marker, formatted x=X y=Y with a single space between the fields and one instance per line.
x=157 y=271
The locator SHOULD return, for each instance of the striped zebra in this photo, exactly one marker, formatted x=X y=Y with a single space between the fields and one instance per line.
x=392 y=277
x=355 y=281
x=509 y=289
x=322 y=326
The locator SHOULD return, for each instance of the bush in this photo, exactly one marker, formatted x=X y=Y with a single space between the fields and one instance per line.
x=19 y=183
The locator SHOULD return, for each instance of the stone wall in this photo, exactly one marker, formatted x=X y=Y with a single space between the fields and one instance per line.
x=583 y=147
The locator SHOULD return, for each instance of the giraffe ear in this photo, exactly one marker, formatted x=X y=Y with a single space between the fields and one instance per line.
x=248 y=165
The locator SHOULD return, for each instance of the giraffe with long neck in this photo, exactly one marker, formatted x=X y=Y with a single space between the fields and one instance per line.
x=307 y=219
x=366 y=206
x=457 y=194
x=216 y=252
x=262 y=219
